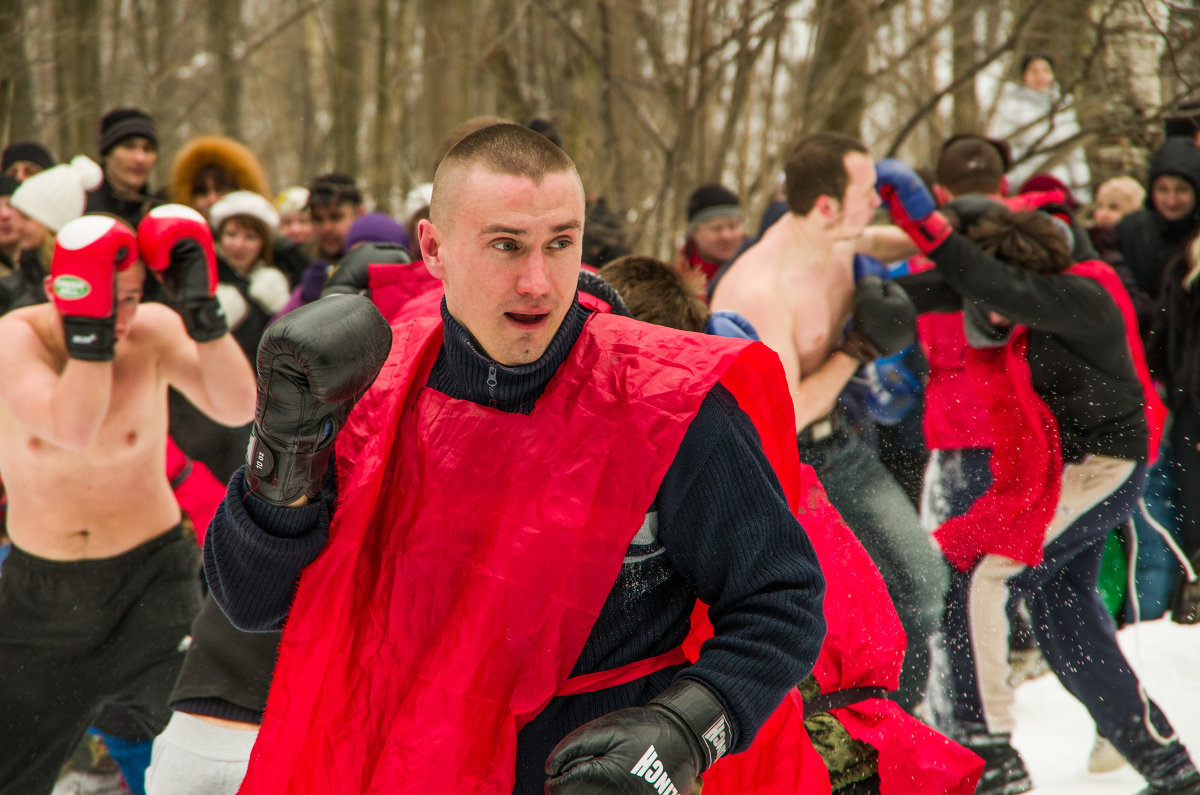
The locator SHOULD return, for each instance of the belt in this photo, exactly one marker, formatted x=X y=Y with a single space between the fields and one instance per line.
x=842 y=698
x=819 y=430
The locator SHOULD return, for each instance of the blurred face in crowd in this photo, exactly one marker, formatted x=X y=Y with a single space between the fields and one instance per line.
x=207 y=193
x=10 y=225
x=1039 y=75
x=22 y=170
x=1111 y=207
x=127 y=165
x=31 y=233
x=1173 y=197
x=508 y=255
x=330 y=223
x=858 y=205
x=718 y=239
x=240 y=245
x=296 y=227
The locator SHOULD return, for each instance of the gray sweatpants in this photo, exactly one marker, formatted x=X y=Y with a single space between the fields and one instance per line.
x=194 y=757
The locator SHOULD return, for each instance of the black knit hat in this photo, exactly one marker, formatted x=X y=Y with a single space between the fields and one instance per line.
x=122 y=123
x=711 y=201
x=8 y=185
x=29 y=151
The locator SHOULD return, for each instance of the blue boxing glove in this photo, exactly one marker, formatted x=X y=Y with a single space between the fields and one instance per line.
x=910 y=204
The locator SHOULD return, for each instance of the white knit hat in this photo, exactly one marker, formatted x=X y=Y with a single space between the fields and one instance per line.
x=243 y=202
x=58 y=195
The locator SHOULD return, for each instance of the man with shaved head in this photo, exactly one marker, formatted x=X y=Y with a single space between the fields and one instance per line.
x=498 y=564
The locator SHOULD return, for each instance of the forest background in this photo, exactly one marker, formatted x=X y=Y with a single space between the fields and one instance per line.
x=652 y=97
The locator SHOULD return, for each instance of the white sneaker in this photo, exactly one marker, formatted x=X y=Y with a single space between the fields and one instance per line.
x=1104 y=758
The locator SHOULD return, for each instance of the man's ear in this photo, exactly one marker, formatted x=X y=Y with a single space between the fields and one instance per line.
x=431 y=248
x=827 y=206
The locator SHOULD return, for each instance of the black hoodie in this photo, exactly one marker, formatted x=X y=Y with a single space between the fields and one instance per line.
x=1145 y=238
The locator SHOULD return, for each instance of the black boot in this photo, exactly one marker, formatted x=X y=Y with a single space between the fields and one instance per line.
x=1185 y=783
x=1004 y=770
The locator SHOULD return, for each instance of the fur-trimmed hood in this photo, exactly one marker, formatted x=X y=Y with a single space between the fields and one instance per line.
x=243 y=166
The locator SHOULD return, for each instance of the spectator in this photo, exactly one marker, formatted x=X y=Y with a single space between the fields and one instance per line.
x=22 y=160
x=716 y=231
x=211 y=166
x=128 y=154
x=1040 y=126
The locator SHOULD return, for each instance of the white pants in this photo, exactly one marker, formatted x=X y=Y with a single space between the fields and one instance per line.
x=194 y=757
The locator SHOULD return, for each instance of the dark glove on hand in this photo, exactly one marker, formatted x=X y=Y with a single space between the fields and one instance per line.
x=353 y=272
x=911 y=205
x=177 y=246
x=884 y=321
x=313 y=366
x=659 y=748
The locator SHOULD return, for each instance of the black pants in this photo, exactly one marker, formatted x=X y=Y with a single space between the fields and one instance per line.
x=89 y=642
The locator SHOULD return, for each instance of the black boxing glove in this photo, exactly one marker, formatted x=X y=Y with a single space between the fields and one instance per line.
x=353 y=271
x=656 y=749
x=313 y=366
x=884 y=321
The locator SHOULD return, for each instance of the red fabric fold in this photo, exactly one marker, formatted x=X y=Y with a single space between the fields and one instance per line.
x=864 y=646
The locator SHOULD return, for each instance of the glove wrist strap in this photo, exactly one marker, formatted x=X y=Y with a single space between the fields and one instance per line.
x=281 y=476
x=930 y=232
x=90 y=339
x=859 y=348
x=700 y=711
x=204 y=319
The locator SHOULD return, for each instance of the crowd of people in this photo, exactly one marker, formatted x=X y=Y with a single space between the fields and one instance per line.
x=298 y=497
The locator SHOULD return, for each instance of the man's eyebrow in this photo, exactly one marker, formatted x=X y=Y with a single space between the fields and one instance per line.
x=500 y=229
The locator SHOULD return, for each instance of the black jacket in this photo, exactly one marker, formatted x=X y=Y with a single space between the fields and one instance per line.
x=1078 y=354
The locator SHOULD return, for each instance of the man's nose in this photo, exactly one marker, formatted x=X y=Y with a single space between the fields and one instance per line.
x=533 y=278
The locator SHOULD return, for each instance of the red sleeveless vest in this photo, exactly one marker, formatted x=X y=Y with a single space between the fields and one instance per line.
x=470 y=553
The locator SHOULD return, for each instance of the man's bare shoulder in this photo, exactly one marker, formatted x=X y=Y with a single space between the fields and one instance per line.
x=752 y=278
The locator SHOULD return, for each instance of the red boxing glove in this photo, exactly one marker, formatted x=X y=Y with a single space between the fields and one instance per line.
x=88 y=253
x=177 y=246
x=928 y=233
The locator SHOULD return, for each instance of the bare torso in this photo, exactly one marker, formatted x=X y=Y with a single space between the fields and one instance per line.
x=112 y=496
x=798 y=296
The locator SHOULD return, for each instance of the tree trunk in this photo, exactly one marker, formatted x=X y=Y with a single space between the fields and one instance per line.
x=964 y=55
x=18 y=121
x=347 y=101
x=224 y=30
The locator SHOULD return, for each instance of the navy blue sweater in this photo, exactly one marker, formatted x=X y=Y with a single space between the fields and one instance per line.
x=719 y=530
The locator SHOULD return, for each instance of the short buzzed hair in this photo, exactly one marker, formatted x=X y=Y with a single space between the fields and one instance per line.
x=817 y=167
x=510 y=149
x=970 y=164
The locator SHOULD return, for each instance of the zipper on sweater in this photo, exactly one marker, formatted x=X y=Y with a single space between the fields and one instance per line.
x=491 y=384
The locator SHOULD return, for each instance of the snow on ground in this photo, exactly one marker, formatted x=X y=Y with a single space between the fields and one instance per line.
x=1054 y=733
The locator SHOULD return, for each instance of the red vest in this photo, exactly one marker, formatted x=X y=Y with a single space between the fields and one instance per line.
x=470 y=553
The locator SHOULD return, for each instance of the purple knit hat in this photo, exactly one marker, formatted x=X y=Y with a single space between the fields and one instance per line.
x=376 y=228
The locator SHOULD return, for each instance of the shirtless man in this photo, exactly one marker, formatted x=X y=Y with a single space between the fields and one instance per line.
x=101 y=586
x=796 y=287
